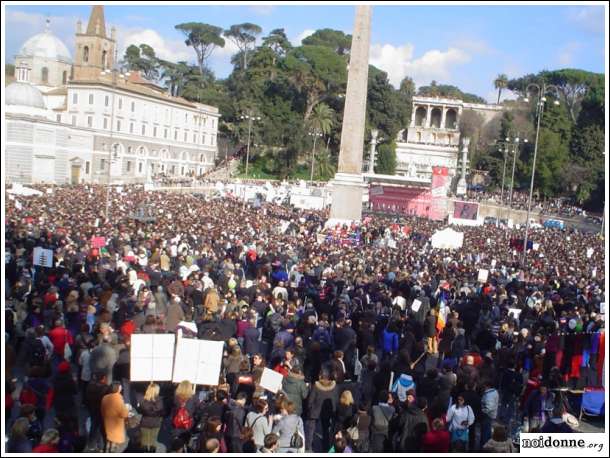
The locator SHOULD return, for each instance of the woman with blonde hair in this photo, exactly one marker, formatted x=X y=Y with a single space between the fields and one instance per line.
x=18 y=441
x=183 y=411
x=151 y=409
x=49 y=442
x=346 y=409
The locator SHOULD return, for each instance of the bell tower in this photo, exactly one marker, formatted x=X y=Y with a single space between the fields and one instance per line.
x=94 y=50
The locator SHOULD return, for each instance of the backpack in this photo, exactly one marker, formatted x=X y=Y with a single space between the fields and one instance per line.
x=182 y=419
x=39 y=354
x=28 y=396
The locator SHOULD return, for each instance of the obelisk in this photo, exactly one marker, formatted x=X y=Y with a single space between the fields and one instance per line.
x=347 y=187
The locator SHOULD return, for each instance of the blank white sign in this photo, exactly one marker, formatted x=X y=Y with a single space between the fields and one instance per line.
x=483 y=274
x=152 y=357
x=271 y=380
x=416 y=305
x=198 y=361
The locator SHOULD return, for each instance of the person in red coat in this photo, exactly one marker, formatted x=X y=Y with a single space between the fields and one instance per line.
x=437 y=440
x=60 y=336
x=49 y=442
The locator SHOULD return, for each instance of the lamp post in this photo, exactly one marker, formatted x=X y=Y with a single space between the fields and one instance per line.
x=250 y=118
x=374 y=134
x=512 y=179
x=115 y=75
x=315 y=134
x=542 y=91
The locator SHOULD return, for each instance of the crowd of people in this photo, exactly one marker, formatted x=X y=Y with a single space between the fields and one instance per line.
x=555 y=207
x=383 y=347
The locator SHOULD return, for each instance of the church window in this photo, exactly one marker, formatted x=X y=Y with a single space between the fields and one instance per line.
x=155 y=131
x=165 y=134
x=105 y=123
x=86 y=54
x=143 y=129
x=133 y=107
x=58 y=118
x=185 y=134
x=118 y=126
x=87 y=167
x=73 y=120
x=75 y=98
x=104 y=58
x=129 y=166
x=120 y=103
x=89 y=121
x=64 y=77
x=90 y=99
x=106 y=100
x=140 y=167
x=131 y=127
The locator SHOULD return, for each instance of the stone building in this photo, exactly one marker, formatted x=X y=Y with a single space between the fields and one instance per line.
x=433 y=136
x=81 y=121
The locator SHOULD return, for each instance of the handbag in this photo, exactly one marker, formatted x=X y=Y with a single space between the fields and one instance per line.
x=134 y=421
x=353 y=431
x=296 y=441
x=67 y=352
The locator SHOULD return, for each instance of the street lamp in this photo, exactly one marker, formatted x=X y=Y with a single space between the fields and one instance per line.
x=374 y=134
x=512 y=179
x=542 y=91
x=115 y=75
x=250 y=118
x=315 y=134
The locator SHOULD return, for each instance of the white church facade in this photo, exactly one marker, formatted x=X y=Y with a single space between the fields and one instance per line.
x=79 y=121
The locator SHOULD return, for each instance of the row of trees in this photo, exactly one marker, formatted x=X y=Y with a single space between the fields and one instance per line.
x=298 y=90
x=570 y=161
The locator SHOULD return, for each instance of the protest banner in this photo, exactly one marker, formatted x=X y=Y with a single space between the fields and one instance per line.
x=483 y=275
x=151 y=357
x=514 y=312
x=416 y=305
x=198 y=361
x=43 y=257
x=271 y=380
x=98 y=242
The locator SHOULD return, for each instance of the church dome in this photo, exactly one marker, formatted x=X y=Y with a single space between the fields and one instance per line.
x=23 y=94
x=46 y=45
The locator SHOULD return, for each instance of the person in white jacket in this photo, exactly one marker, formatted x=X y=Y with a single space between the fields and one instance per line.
x=459 y=418
x=489 y=408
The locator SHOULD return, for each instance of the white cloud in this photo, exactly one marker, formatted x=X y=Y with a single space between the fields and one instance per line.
x=590 y=18
x=21 y=26
x=167 y=49
x=297 y=41
x=399 y=61
x=566 y=54
x=262 y=10
x=229 y=50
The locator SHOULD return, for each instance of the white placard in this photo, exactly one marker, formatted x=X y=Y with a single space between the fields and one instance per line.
x=391 y=243
x=271 y=380
x=198 y=361
x=602 y=308
x=590 y=252
x=188 y=325
x=18 y=205
x=43 y=257
x=49 y=190
x=483 y=274
x=152 y=357
x=416 y=305
x=515 y=312
x=11 y=197
x=493 y=263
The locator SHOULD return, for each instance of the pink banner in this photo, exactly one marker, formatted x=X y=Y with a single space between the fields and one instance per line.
x=98 y=242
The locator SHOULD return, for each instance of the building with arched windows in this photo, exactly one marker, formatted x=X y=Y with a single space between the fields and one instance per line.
x=76 y=120
x=433 y=136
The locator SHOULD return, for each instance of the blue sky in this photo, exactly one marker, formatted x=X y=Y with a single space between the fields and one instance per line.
x=466 y=46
